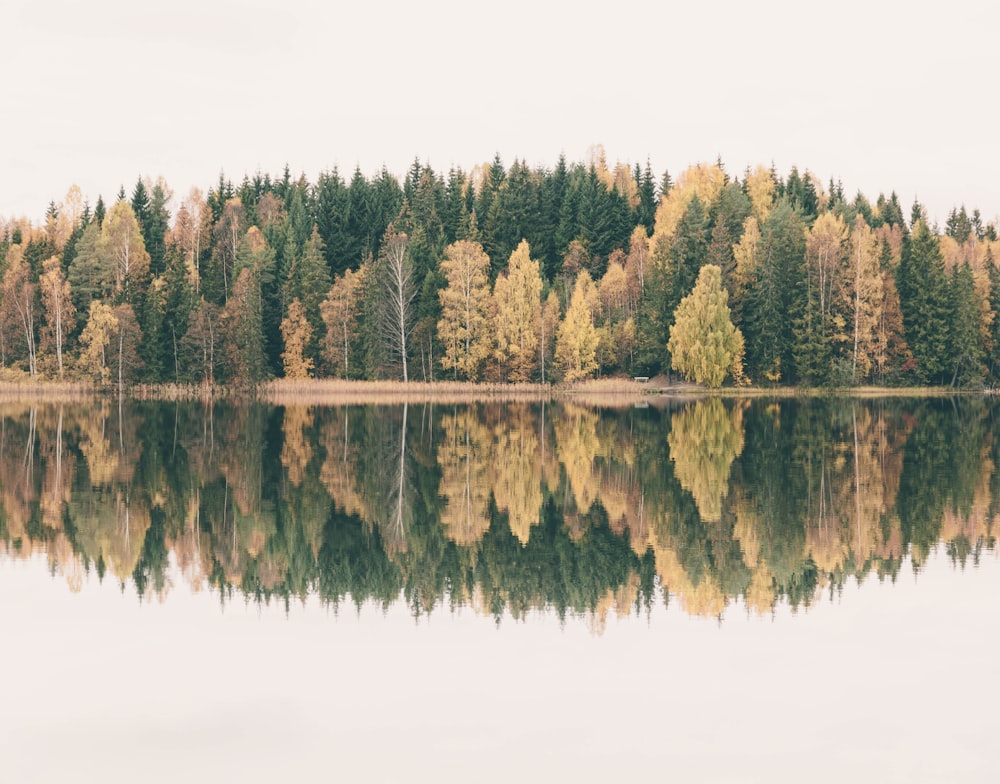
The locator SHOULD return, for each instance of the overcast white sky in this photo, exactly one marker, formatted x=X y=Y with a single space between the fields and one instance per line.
x=882 y=95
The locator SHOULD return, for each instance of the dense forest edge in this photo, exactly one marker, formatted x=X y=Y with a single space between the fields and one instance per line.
x=500 y=277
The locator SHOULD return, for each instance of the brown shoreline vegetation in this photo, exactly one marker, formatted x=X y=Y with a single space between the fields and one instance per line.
x=603 y=392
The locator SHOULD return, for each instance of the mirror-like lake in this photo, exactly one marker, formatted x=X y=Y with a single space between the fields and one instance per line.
x=716 y=590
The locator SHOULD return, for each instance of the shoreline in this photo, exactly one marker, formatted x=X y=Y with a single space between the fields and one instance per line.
x=611 y=391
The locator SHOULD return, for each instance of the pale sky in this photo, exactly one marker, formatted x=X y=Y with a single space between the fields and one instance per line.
x=881 y=95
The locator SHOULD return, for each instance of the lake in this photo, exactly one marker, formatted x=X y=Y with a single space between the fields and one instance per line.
x=703 y=590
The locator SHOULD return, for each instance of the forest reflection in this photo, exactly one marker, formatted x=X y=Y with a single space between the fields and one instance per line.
x=505 y=507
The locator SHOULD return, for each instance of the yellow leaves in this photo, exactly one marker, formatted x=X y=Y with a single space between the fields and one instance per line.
x=705 y=438
x=94 y=341
x=340 y=314
x=463 y=456
x=747 y=254
x=121 y=241
x=760 y=188
x=867 y=296
x=464 y=327
x=701 y=180
x=703 y=343
x=517 y=304
x=296 y=332
x=577 y=340
x=613 y=291
x=295 y=450
x=516 y=476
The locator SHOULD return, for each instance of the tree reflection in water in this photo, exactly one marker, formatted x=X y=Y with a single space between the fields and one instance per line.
x=510 y=508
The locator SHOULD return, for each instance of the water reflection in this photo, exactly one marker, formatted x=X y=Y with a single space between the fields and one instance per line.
x=509 y=508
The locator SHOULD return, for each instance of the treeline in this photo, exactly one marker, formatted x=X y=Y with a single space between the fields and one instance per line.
x=511 y=508
x=502 y=274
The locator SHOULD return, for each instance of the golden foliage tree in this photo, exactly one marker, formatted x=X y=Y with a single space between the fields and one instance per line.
x=704 y=344
x=517 y=296
x=121 y=242
x=340 y=315
x=704 y=181
x=95 y=340
x=866 y=299
x=296 y=332
x=825 y=246
x=577 y=338
x=760 y=189
x=464 y=326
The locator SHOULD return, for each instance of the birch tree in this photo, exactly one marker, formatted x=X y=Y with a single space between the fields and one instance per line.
x=17 y=301
x=122 y=244
x=398 y=289
x=58 y=309
x=704 y=345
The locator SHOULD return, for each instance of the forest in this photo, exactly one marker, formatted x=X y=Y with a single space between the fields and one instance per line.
x=503 y=274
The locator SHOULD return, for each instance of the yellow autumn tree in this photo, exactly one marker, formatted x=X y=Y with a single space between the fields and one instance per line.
x=340 y=315
x=701 y=180
x=517 y=296
x=825 y=244
x=704 y=345
x=122 y=244
x=464 y=326
x=295 y=332
x=95 y=340
x=746 y=254
x=760 y=189
x=577 y=338
x=866 y=293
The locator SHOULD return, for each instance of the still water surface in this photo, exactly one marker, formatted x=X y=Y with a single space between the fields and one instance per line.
x=708 y=591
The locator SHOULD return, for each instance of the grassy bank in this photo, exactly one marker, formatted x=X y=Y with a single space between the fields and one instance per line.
x=599 y=392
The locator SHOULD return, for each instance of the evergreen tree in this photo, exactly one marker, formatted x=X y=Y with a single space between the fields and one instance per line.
x=774 y=297
x=99 y=211
x=156 y=350
x=155 y=226
x=688 y=254
x=140 y=203
x=924 y=300
x=646 y=211
x=966 y=349
x=333 y=207
x=309 y=282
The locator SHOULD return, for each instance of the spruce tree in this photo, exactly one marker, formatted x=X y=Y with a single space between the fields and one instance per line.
x=924 y=300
